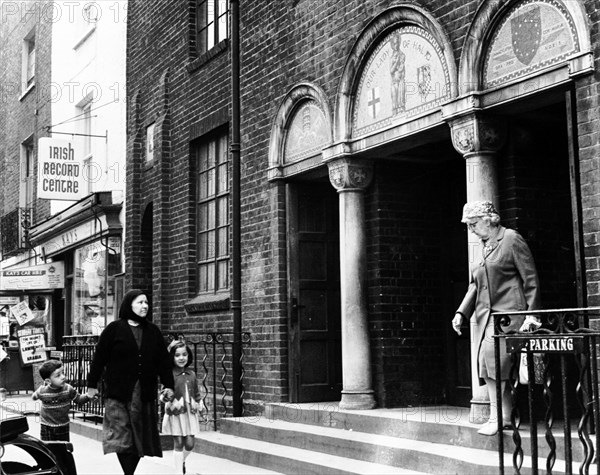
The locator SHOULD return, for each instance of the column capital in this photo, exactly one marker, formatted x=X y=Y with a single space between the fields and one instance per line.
x=477 y=133
x=350 y=174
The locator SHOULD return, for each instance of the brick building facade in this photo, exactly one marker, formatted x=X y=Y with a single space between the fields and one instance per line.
x=365 y=125
x=62 y=163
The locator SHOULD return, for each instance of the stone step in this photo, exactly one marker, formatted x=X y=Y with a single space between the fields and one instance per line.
x=401 y=453
x=288 y=459
x=437 y=424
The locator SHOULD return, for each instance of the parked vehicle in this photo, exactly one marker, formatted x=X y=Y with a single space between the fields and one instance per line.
x=23 y=454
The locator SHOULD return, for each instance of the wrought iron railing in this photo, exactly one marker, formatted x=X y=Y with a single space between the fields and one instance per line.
x=566 y=351
x=213 y=359
x=77 y=353
x=212 y=365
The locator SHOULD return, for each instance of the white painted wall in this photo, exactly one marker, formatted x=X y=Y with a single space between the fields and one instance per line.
x=88 y=65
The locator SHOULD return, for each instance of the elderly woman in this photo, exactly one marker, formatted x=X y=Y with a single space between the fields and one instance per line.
x=503 y=279
x=133 y=354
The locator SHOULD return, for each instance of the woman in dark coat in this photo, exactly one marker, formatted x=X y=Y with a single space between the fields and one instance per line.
x=504 y=279
x=132 y=352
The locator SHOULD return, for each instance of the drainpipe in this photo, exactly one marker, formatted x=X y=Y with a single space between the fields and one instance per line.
x=236 y=256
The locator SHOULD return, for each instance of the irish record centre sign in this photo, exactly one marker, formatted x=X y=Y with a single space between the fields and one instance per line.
x=60 y=170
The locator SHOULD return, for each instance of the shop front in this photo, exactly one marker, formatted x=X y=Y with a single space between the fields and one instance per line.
x=26 y=323
x=70 y=290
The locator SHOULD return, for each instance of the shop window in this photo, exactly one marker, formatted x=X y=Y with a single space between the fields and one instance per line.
x=93 y=304
x=211 y=23
x=213 y=218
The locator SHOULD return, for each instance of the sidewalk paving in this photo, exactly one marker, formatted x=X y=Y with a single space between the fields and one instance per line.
x=90 y=459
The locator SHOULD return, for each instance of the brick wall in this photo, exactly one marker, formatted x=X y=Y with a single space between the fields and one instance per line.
x=588 y=123
x=22 y=116
x=284 y=43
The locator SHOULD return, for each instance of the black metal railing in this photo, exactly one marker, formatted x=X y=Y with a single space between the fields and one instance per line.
x=212 y=365
x=77 y=353
x=561 y=367
x=213 y=358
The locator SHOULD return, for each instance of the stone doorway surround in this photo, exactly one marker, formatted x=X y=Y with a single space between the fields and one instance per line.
x=387 y=100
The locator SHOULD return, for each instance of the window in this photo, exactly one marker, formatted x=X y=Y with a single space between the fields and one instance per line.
x=27 y=177
x=93 y=303
x=86 y=117
x=150 y=142
x=211 y=23
x=89 y=173
x=28 y=58
x=213 y=214
x=86 y=23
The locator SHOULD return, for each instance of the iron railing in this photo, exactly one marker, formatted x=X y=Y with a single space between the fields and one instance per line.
x=213 y=358
x=77 y=353
x=566 y=349
x=212 y=364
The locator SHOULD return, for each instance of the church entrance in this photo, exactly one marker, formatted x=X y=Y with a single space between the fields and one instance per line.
x=314 y=293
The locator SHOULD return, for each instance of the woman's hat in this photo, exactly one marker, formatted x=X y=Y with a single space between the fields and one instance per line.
x=477 y=209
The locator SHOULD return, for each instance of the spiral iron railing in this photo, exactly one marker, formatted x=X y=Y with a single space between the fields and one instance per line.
x=565 y=344
x=212 y=364
x=213 y=367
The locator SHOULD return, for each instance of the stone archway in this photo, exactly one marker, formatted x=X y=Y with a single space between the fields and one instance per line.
x=487 y=20
x=500 y=65
x=302 y=95
x=406 y=15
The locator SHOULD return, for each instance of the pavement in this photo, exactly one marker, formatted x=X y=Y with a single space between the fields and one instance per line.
x=90 y=460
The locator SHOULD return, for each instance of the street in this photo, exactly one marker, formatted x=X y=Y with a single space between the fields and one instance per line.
x=91 y=461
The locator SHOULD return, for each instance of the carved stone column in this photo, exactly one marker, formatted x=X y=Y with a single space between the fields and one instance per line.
x=350 y=177
x=478 y=139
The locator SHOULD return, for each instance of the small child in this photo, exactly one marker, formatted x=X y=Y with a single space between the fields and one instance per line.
x=181 y=420
x=56 y=397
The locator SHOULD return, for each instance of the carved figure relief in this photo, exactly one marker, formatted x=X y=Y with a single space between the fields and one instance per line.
x=406 y=75
x=398 y=75
x=307 y=134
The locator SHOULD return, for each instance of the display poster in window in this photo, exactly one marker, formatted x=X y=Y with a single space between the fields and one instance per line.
x=6 y=317
x=22 y=313
x=32 y=346
x=90 y=289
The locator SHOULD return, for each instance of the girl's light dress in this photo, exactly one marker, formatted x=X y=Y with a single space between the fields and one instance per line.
x=180 y=418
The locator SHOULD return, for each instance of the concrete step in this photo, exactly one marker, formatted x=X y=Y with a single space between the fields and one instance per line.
x=287 y=459
x=401 y=453
x=437 y=424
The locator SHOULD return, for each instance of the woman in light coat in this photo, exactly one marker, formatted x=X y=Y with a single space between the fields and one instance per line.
x=503 y=279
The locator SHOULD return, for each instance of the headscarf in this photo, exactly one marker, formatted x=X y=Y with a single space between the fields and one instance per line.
x=127 y=313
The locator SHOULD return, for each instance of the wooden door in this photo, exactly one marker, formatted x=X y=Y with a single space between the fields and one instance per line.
x=314 y=293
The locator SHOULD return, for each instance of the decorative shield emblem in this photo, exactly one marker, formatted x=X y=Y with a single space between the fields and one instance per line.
x=526 y=34
x=424 y=80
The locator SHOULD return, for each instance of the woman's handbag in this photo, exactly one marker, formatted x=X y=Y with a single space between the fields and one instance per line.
x=539 y=367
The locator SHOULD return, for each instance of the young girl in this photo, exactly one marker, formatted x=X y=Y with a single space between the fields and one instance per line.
x=181 y=420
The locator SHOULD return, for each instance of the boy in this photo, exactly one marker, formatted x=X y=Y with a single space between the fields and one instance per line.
x=56 y=397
